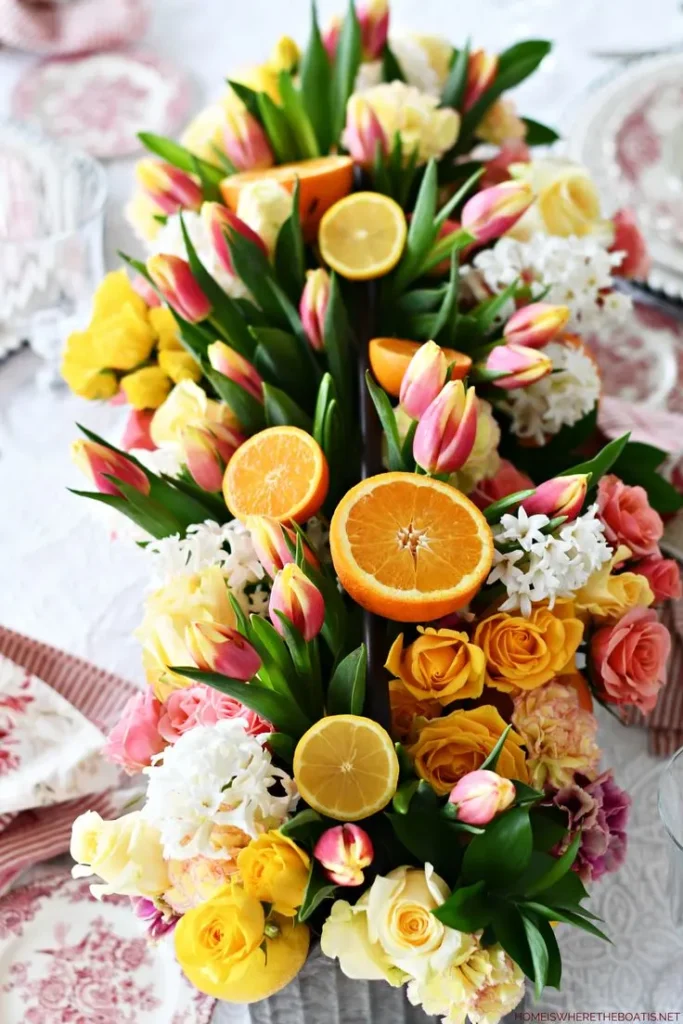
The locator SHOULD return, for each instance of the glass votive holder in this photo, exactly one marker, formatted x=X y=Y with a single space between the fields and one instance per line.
x=671 y=813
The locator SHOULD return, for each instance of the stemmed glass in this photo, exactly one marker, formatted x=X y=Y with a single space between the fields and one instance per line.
x=669 y=986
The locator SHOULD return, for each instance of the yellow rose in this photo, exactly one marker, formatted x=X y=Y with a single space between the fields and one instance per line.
x=146 y=388
x=417 y=117
x=448 y=748
x=180 y=366
x=195 y=880
x=567 y=201
x=484 y=460
x=165 y=327
x=607 y=595
x=264 y=205
x=187 y=405
x=115 y=292
x=188 y=598
x=275 y=870
x=126 y=853
x=407 y=710
x=440 y=665
x=501 y=124
x=228 y=950
x=522 y=654
x=123 y=340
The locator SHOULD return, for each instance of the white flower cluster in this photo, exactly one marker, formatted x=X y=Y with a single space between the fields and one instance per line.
x=560 y=399
x=170 y=240
x=577 y=272
x=546 y=566
x=214 y=776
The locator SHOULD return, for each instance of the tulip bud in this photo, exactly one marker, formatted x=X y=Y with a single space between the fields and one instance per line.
x=168 y=187
x=207 y=451
x=268 y=537
x=535 y=325
x=423 y=380
x=221 y=223
x=313 y=306
x=364 y=131
x=100 y=462
x=493 y=211
x=173 y=278
x=445 y=435
x=561 y=496
x=481 y=72
x=344 y=851
x=234 y=366
x=245 y=141
x=285 y=55
x=218 y=648
x=299 y=600
x=330 y=36
x=522 y=366
x=480 y=795
x=373 y=18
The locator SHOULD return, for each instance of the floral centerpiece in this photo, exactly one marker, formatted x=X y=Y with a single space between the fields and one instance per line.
x=394 y=566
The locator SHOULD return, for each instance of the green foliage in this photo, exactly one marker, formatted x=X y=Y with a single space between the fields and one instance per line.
x=318 y=888
x=290 y=263
x=346 y=691
x=454 y=89
x=386 y=416
x=538 y=134
x=281 y=410
x=173 y=153
x=315 y=76
x=638 y=464
x=300 y=123
x=496 y=509
x=248 y=409
x=391 y=69
x=346 y=65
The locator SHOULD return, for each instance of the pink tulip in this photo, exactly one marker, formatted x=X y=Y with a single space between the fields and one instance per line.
x=535 y=325
x=173 y=278
x=268 y=537
x=136 y=433
x=481 y=72
x=663 y=575
x=629 y=240
x=344 y=851
x=423 y=379
x=561 y=496
x=480 y=795
x=221 y=224
x=245 y=141
x=170 y=188
x=364 y=132
x=207 y=451
x=330 y=36
x=521 y=366
x=100 y=462
x=373 y=17
x=217 y=648
x=446 y=433
x=313 y=306
x=299 y=600
x=238 y=369
x=497 y=169
x=135 y=738
x=493 y=211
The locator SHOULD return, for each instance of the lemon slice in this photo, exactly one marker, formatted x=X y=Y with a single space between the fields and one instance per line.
x=363 y=235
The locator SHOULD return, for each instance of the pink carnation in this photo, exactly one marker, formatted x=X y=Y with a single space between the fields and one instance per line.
x=663 y=575
x=507 y=480
x=628 y=517
x=598 y=810
x=135 y=739
x=629 y=659
x=203 y=705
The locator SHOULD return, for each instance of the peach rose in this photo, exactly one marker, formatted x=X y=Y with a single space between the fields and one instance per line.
x=628 y=517
x=202 y=705
x=135 y=738
x=663 y=575
x=440 y=665
x=629 y=659
x=507 y=480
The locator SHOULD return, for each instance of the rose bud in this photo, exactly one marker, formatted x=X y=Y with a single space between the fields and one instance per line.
x=313 y=306
x=217 y=648
x=173 y=278
x=446 y=433
x=99 y=462
x=238 y=369
x=629 y=240
x=481 y=72
x=663 y=575
x=268 y=537
x=344 y=851
x=535 y=325
x=493 y=211
x=299 y=600
x=521 y=366
x=561 y=496
x=221 y=223
x=423 y=380
x=245 y=141
x=364 y=132
x=480 y=795
x=373 y=18
x=207 y=451
x=170 y=188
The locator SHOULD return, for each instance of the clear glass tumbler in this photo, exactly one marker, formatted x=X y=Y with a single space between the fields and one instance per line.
x=52 y=202
x=671 y=813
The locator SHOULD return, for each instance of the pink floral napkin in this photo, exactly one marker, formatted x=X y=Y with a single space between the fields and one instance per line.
x=60 y=27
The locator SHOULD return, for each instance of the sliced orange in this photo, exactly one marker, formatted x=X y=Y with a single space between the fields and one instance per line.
x=389 y=359
x=279 y=472
x=362 y=236
x=408 y=547
x=322 y=181
x=346 y=767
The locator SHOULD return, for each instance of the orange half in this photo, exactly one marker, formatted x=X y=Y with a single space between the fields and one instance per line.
x=390 y=357
x=410 y=548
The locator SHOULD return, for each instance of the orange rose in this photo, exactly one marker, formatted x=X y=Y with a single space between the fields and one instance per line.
x=405 y=708
x=440 y=665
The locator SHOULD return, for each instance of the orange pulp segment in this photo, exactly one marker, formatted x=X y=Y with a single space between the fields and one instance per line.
x=389 y=359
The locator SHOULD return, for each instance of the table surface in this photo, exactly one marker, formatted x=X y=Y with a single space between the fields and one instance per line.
x=66 y=581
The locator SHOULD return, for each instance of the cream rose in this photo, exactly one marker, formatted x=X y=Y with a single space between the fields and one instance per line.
x=187 y=405
x=567 y=201
x=264 y=206
x=421 y=123
x=125 y=853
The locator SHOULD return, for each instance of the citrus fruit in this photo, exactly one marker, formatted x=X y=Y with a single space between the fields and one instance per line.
x=362 y=236
x=322 y=181
x=389 y=359
x=409 y=547
x=346 y=767
x=279 y=472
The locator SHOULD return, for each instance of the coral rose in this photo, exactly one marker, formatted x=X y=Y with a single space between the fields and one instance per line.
x=450 y=747
x=508 y=480
x=406 y=710
x=628 y=517
x=440 y=665
x=629 y=659
x=135 y=738
x=275 y=870
x=522 y=654
x=559 y=734
x=663 y=576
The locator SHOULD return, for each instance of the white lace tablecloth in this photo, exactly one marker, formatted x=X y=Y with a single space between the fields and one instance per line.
x=65 y=581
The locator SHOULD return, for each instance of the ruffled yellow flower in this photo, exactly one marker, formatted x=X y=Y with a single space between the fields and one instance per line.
x=78 y=369
x=441 y=665
x=126 y=853
x=501 y=123
x=187 y=405
x=275 y=870
x=567 y=201
x=146 y=388
x=415 y=115
x=483 y=461
x=607 y=595
x=123 y=340
x=165 y=327
x=113 y=293
x=482 y=984
x=180 y=366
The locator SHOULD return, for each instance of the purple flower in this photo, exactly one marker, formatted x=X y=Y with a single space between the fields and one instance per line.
x=156 y=921
x=599 y=810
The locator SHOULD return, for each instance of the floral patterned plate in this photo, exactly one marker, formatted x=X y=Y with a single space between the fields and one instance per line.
x=64 y=957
